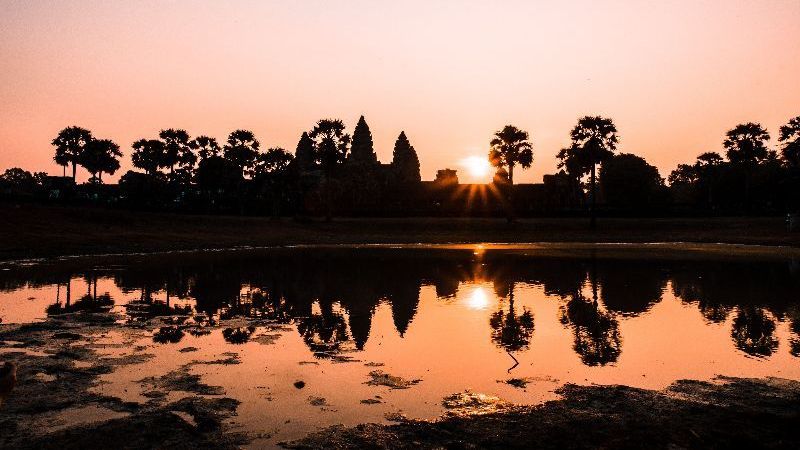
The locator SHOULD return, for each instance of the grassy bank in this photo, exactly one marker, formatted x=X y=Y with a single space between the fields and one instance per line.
x=28 y=231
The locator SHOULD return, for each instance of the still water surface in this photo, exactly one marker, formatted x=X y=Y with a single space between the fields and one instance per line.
x=445 y=320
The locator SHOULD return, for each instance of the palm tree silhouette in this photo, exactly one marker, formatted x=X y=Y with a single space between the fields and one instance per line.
x=177 y=149
x=70 y=144
x=594 y=140
x=147 y=155
x=206 y=147
x=330 y=148
x=510 y=147
x=745 y=146
x=790 y=138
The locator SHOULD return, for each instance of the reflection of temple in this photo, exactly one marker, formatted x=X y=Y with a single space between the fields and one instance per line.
x=332 y=294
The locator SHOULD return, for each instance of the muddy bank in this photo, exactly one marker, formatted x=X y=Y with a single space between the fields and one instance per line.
x=30 y=231
x=733 y=413
x=53 y=404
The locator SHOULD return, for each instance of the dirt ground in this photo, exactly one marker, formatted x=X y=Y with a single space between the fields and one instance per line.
x=31 y=231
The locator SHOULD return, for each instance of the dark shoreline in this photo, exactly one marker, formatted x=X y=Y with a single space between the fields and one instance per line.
x=736 y=413
x=35 y=231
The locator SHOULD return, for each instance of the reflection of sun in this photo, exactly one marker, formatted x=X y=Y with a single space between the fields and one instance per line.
x=478 y=299
x=477 y=167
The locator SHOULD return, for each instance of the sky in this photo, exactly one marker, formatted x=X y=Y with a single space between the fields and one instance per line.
x=673 y=75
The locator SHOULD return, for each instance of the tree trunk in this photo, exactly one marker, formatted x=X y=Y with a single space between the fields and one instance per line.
x=74 y=169
x=510 y=210
x=593 y=202
x=328 y=198
x=64 y=170
x=69 y=284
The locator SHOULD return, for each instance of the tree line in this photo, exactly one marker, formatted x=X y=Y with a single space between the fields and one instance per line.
x=331 y=172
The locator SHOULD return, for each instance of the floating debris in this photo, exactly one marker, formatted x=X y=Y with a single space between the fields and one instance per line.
x=380 y=378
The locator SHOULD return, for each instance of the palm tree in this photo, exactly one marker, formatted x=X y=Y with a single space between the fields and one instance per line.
x=746 y=147
x=594 y=140
x=147 y=155
x=790 y=137
x=100 y=156
x=242 y=149
x=69 y=144
x=206 y=147
x=177 y=151
x=510 y=147
x=330 y=149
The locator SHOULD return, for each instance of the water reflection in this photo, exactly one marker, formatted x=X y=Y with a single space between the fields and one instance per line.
x=332 y=295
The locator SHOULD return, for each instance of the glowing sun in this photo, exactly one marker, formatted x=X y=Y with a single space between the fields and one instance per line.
x=477 y=167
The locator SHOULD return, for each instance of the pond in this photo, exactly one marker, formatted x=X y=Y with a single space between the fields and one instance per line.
x=310 y=337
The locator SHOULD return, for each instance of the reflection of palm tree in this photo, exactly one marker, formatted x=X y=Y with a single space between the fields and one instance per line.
x=597 y=338
x=510 y=331
x=753 y=332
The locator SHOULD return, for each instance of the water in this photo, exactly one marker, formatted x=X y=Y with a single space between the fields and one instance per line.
x=444 y=320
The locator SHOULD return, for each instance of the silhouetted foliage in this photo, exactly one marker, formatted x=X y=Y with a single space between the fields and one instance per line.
x=790 y=141
x=509 y=148
x=99 y=157
x=177 y=154
x=148 y=155
x=331 y=144
x=594 y=140
x=242 y=149
x=629 y=183
x=206 y=147
x=70 y=144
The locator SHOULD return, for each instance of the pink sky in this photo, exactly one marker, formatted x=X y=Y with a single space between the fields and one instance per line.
x=674 y=75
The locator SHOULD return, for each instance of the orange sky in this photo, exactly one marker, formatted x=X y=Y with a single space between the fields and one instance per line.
x=674 y=75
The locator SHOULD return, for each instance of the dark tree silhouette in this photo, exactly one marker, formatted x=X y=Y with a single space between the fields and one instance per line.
x=570 y=162
x=746 y=144
x=330 y=149
x=100 y=156
x=510 y=147
x=69 y=144
x=362 y=151
x=594 y=140
x=148 y=155
x=628 y=181
x=206 y=147
x=271 y=168
x=177 y=151
x=405 y=163
x=746 y=147
x=242 y=149
x=790 y=140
